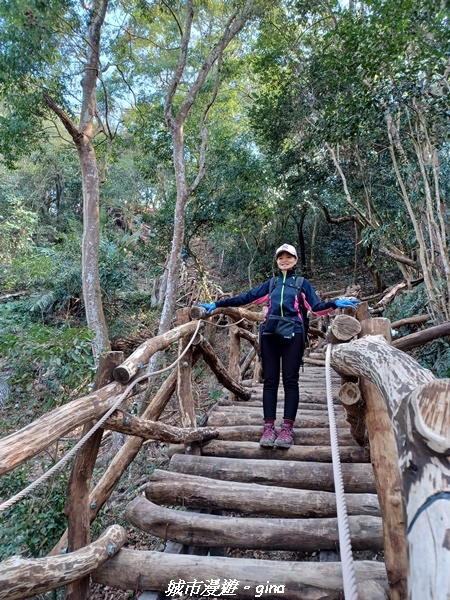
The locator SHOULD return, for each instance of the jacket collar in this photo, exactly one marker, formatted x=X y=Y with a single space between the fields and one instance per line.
x=290 y=273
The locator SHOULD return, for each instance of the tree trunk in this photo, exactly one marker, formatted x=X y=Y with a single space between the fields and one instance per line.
x=175 y=125
x=82 y=137
x=92 y=294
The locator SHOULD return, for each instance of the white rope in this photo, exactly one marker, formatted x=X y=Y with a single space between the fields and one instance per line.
x=57 y=466
x=348 y=569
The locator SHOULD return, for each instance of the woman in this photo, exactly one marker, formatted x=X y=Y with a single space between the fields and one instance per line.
x=282 y=339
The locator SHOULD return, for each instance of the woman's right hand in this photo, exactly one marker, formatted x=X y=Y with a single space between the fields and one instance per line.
x=208 y=306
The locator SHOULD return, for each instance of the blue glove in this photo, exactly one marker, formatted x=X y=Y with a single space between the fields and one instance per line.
x=344 y=302
x=210 y=306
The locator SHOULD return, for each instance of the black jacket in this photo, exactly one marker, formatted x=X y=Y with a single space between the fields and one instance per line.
x=283 y=300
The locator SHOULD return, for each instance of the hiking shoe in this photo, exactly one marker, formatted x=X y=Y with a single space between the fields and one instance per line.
x=269 y=436
x=286 y=437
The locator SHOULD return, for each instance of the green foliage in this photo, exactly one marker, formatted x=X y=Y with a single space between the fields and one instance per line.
x=47 y=365
x=434 y=356
x=32 y=526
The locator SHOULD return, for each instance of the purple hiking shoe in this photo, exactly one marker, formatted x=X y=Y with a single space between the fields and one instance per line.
x=269 y=436
x=286 y=437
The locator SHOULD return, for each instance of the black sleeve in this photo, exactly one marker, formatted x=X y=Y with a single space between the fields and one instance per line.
x=247 y=298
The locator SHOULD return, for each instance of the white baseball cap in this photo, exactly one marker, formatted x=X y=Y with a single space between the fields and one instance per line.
x=286 y=248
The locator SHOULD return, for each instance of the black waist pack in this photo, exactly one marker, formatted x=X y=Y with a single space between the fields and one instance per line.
x=280 y=326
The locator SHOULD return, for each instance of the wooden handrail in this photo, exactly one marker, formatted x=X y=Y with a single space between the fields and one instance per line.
x=418 y=405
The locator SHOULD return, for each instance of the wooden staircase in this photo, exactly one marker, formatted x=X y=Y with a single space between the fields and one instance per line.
x=236 y=495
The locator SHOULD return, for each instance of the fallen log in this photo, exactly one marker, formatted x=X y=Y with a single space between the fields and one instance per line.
x=311 y=436
x=201 y=529
x=213 y=362
x=24 y=577
x=410 y=321
x=422 y=337
x=200 y=492
x=135 y=570
x=131 y=425
x=305 y=475
x=353 y=454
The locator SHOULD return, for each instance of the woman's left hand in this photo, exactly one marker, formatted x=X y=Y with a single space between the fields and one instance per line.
x=345 y=302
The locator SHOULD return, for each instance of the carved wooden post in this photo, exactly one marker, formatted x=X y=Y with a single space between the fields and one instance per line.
x=184 y=383
x=77 y=506
x=423 y=437
x=419 y=408
x=384 y=458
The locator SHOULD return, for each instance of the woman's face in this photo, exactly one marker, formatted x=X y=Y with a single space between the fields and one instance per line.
x=286 y=261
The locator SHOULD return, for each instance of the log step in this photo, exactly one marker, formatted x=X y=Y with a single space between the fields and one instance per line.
x=179 y=489
x=223 y=419
x=257 y=405
x=311 y=436
x=352 y=454
x=300 y=475
x=204 y=530
x=292 y=580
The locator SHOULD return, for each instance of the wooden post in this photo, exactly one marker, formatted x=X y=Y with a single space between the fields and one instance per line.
x=77 y=505
x=384 y=458
x=184 y=383
x=235 y=355
x=351 y=398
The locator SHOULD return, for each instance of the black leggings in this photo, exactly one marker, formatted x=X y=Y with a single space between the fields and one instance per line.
x=290 y=351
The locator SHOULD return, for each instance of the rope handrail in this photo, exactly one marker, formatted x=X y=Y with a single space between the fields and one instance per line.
x=348 y=569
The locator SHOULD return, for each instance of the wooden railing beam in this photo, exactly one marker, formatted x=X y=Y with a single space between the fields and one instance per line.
x=419 y=407
x=25 y=577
